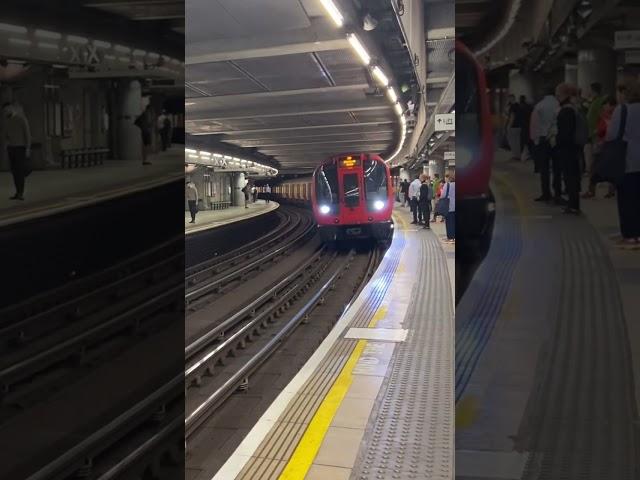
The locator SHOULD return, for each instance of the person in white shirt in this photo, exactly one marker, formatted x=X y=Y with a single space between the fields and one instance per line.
x=267 y=193
x=414 y=194
x=542 y=132
x=191 y=192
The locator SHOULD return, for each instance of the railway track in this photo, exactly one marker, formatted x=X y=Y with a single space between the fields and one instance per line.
x=244 y=341
x=150 y=435
x=58 y=341
x=210 y=279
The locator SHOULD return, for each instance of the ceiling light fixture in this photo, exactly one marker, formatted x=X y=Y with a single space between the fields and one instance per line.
x=333 y=12
x=380 y=76
x=391 y=93
x=359 y=48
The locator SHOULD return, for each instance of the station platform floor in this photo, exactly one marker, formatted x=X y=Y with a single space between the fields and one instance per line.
x=208 y=219
x=548 y=342
x=375 y=400
x=48 y=192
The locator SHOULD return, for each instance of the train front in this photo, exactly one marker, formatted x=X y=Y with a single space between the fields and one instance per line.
x=352 y=197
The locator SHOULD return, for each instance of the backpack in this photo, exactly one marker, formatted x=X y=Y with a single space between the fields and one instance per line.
x=582 y=128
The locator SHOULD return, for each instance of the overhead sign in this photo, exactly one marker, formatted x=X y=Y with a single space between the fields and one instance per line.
x=445 y=122
x=449 y=155
x=626 y=39
x=632 y=57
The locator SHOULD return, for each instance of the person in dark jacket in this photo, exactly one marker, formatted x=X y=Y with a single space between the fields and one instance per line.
x=424 y=201
x=404 y=189
x=566 y=149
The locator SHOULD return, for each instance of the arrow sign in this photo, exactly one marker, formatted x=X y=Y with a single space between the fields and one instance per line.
x=445 y=122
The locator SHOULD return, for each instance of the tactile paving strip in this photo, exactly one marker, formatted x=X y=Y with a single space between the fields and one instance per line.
x=410 y=432
x=579 y=421
x=270 y=458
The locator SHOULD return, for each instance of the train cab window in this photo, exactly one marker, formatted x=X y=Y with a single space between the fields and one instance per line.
x=327 y=184
x=351 y=189
x=468 y=138
x=375 y=180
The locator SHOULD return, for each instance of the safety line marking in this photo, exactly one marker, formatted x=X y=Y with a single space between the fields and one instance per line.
x=300 y=462
x=307 y=449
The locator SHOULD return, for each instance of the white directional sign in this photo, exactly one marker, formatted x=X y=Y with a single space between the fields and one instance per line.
x=626 y=39
x=632 y=57
x=449 y=155
x=445 y=122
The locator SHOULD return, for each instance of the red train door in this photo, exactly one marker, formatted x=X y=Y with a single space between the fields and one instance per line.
x=352 y=194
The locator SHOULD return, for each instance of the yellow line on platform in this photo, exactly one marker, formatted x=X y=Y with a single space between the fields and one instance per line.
x=304 y=454
x=307 y=449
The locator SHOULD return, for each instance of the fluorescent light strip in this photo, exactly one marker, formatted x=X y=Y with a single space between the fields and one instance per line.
x=12 y=28
x=124 y=59
x=76 y=39
x=380 y=76
x=122 y=49
x=190 y=150
x=139 y=53
x=48 y=34
x=50 y=46
x=333 y=12
x=515 y=7
x=101 y=44
x=359 y=48
x=19 y=41
x=391 y=93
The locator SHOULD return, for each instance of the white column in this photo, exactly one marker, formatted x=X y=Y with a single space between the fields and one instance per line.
x=597 y=65
x=128 y=137
x=239 y=182
x=571 y=73
x=405 y=174
x=520 y=84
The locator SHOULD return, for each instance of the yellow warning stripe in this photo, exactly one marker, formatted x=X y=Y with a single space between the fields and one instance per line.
x=307 y=449
x=302 y=458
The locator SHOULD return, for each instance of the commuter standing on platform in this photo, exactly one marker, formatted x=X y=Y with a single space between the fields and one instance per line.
x=594 y=111
x=424 y=201
x=404 y=189
x=191 y=192
x=567 y=147
x=245 y=190
x=145 y=123
x=525 y=139
x=449 y=192
x=414 y=192
x=543 y=127
x=437 y=183
x=254 y=193
x=514 y=126
x=165 y=128
x=267 y=193
x=18 y=141
x=629 y=187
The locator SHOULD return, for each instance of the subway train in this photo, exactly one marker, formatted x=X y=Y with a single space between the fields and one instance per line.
x=351 y=196
x=475 y=206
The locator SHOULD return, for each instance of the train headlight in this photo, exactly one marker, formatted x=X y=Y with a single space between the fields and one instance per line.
x=324 y=209
x=378 y=204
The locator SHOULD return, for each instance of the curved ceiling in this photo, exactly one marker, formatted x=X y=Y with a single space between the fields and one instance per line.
x=279 y=78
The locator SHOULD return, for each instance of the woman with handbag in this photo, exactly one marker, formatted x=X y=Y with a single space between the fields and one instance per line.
x=621 y=161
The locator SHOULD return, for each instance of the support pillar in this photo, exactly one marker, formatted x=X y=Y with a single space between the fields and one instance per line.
x=239 y=183
x=571 y=73
x=405 y=174
x=128 y=137
x=520 y=84
x=596 y=65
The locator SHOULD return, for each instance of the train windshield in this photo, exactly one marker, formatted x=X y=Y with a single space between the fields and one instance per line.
x=469 y=138
x=375 y=180
x=327 y=184
x=351 y=189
